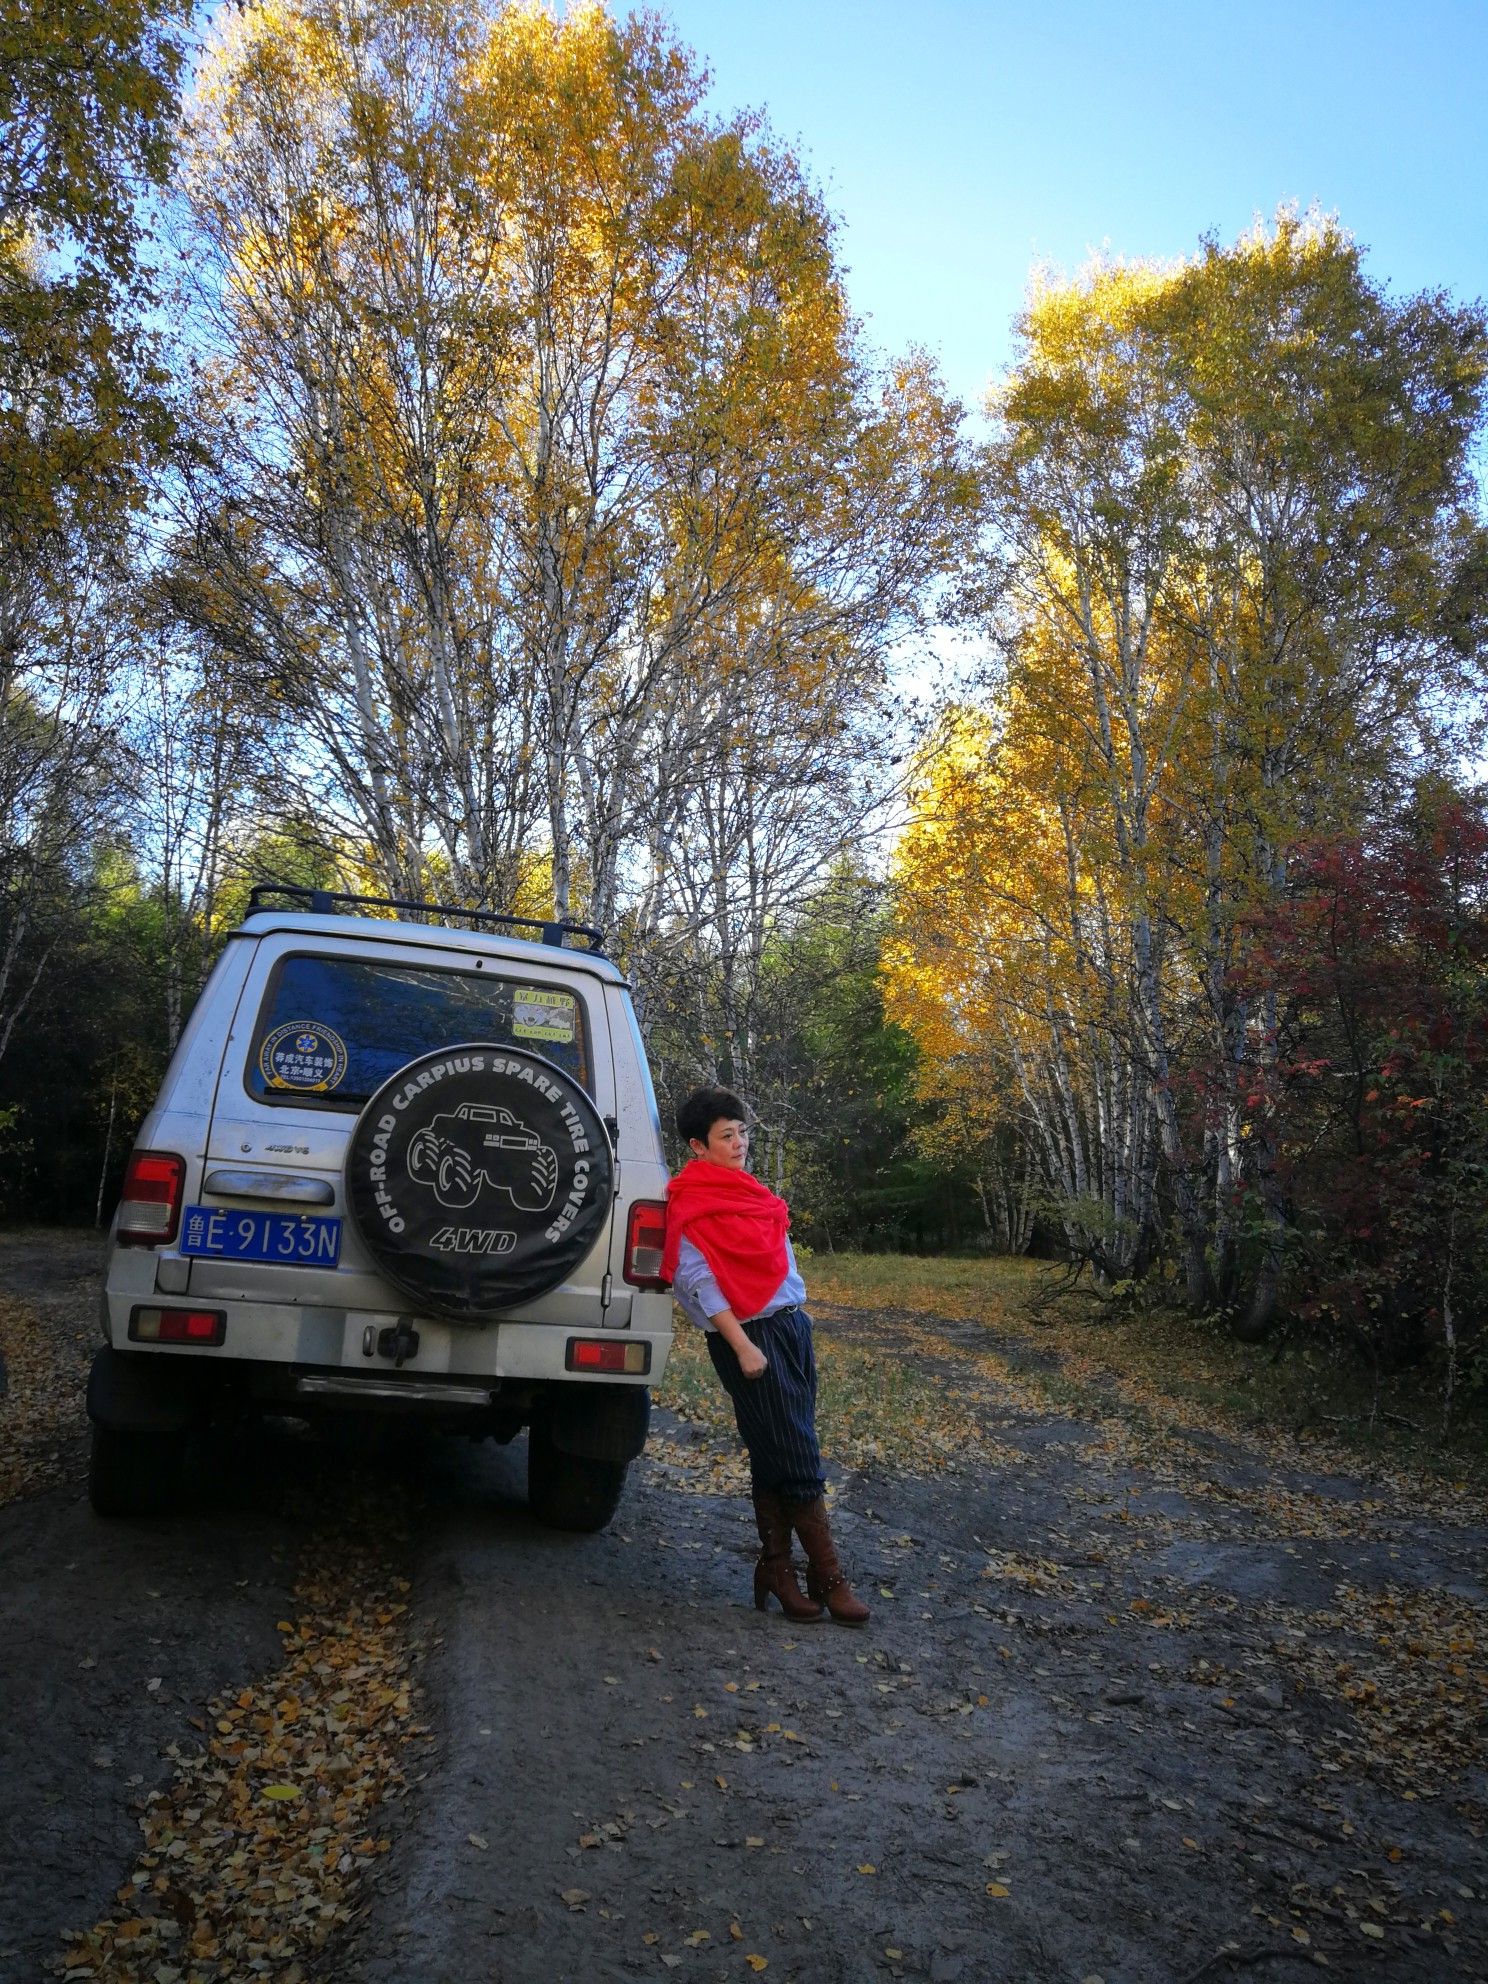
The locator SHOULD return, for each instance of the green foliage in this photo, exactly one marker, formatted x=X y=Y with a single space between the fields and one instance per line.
x=845 y=1130
x=845 y=1089
x=294 y=854
x=85 y=1059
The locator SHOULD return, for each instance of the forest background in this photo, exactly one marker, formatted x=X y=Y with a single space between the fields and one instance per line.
x=438 y=458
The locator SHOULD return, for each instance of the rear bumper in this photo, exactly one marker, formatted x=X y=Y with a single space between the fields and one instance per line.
x=144 y=1391
x=335 y=1340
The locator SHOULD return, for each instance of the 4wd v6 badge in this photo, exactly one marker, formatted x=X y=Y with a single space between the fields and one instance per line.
x=499 y=1136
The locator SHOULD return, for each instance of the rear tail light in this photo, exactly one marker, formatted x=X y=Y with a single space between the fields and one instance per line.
x=150 y=1209
x=590 y=1353
x=201 y=1326
x=645 y=1238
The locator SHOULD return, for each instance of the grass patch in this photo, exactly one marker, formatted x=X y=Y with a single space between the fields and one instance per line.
x=1174 y=1369
x=991 y=1289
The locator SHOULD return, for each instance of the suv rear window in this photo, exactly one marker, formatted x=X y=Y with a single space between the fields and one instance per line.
x=333 y=1029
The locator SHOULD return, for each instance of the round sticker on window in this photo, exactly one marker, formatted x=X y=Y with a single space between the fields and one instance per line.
x=304 y=1056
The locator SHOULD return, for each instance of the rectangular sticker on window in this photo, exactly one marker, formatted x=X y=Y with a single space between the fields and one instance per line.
x=541 y=1012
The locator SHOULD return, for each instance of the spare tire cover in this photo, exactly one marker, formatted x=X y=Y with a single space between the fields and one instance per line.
x=479 y=1177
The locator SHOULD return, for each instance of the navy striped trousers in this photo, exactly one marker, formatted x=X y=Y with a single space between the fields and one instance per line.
x=776 y=1413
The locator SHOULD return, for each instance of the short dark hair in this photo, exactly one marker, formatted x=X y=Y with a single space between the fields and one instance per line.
x=705 y=1107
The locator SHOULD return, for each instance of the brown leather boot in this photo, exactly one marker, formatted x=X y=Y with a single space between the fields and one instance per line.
x=825 y=1578
x=775 y=1571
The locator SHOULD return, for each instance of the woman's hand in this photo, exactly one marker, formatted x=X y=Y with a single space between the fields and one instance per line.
x=752 y=1361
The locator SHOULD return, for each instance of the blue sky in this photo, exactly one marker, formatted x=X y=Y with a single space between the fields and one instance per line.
x=959 y=143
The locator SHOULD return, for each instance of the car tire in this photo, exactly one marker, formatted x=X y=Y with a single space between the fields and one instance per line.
x=133 y=1474
x=568 y=1491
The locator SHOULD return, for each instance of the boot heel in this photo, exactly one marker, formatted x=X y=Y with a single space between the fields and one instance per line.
x=761 y=1589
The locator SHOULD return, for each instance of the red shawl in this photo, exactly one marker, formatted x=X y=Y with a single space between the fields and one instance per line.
x=736 y=1223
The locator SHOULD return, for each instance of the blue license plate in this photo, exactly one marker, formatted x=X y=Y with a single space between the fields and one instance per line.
x=293 y=1239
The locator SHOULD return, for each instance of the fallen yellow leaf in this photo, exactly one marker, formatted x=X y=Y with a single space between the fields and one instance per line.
x=758 y=1962
x=867 y=1868
x=281 y=1791
x=997 y=1888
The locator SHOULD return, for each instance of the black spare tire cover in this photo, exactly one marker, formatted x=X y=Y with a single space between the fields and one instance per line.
x=479 y=1177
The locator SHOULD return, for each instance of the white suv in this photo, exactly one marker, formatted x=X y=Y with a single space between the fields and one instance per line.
x=401 y=1167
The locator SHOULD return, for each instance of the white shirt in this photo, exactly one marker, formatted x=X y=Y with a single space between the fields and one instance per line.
x=696 y=1289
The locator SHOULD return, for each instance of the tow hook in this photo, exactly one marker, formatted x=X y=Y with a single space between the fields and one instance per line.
x=399 y=1341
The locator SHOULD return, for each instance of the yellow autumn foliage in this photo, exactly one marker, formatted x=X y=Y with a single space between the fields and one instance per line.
x=1218 y=493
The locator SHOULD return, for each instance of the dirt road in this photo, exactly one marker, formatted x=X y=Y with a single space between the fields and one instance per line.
x=1130 y=1708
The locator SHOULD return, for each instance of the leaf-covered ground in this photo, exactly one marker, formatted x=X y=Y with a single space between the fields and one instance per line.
x=252 y=1853
x=267 y=1798
x=1151 y=1692
x=47 y=1338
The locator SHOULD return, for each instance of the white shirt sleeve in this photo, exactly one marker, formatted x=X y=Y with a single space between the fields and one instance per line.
x=695 y=1288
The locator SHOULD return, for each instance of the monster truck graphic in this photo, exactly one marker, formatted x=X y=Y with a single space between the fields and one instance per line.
x=458 y=1153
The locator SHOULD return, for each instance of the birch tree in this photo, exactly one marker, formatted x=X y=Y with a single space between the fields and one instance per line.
x=532 y=405
x=1231 y=547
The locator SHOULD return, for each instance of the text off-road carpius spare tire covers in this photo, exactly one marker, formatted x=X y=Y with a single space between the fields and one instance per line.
x=479 y=1177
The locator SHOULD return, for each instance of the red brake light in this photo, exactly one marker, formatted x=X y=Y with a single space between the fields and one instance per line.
x=645 y=1238
x=588 y=1353
x=178 y=1326
x=150 y=1207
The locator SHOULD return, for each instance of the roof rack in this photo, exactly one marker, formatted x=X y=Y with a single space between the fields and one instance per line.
x=329 y=902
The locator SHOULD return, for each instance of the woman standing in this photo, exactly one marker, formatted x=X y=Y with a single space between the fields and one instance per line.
x=732 y=1268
